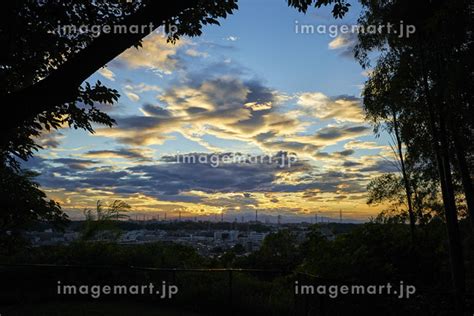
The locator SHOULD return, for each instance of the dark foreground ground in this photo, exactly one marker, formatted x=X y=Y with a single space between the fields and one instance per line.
x=92 y=309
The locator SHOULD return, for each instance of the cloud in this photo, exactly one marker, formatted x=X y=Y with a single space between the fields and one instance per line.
x=311 y=145
x=132 y=96
x=171 y=181
x=231 y=108
x=255 y=106
x=357 y=144
x=155 y=54
x=211 y=95
x=232 y=38
x=139 y=130
x=195 y=53
x=224 y=106
x=72 y=163
x=107 y=73
x=345 y=43
x=49 y=139
x=142 y=87
x=127 y=153
x=340 y=41
x=341 y=108
x=338 y=133
x=134 y=91
x=155 y=111
x=164 y=179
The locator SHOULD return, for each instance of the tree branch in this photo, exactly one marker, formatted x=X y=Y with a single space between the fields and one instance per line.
x=61 y=86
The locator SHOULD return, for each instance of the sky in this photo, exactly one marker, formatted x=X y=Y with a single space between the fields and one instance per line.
x=253 y=87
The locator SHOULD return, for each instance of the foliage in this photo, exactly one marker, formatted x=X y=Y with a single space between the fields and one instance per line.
x=22 y=204
x=387 y=189
x=104 y=220
x=159 y=255
x=340 y=8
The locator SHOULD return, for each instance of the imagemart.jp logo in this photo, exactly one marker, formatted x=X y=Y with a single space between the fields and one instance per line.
x=401 y=29
x=164 y=291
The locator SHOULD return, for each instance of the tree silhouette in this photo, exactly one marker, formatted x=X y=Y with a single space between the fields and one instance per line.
x=433 y=77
